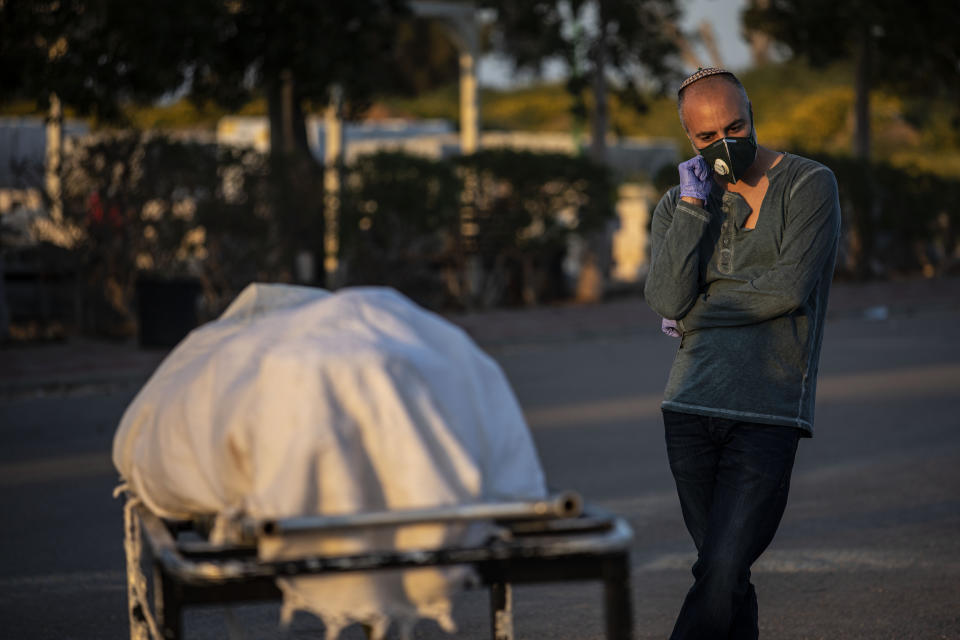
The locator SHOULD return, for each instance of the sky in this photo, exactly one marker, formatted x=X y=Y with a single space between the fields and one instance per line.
x=724 y=15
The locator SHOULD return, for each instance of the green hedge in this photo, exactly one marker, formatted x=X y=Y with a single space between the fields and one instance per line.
x=398 y=224
x=482 y=230
x=147 y=204
x=896 y=221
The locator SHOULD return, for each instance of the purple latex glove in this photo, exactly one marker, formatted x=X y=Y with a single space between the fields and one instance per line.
x=669 y=327
x=695 y=180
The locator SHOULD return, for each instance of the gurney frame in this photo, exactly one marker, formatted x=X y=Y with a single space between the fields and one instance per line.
x=541 y=541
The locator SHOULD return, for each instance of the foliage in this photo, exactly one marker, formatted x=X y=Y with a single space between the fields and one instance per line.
x=248 y=234
x=486 y=229
x=896 y=221
x=524 y=206
x=633 y=37
x=182 y=114
x=604 y=43
x=823 y=121
x=398 y=224
x=425 y=57
x=913 y=52
x=917 y=48
x=254 y=45
x=99 y=56
x=94 y=54
x=150 y=205
x=544 y=107
x=135 y=200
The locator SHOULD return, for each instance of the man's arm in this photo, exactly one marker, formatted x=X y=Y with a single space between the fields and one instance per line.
x=809 y=242
x=673 y=278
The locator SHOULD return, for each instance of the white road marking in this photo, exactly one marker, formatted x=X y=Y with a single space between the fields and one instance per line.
x=81 y=465
x=76 y=581
x=801 y=561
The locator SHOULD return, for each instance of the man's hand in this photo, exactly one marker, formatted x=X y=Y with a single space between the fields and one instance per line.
x=669 y=327
x=695 y=180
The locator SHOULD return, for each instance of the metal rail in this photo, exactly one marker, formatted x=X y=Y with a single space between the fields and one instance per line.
x=562 y=505
x=544 y=545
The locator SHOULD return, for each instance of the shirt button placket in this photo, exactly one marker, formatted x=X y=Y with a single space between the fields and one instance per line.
x=725 y=263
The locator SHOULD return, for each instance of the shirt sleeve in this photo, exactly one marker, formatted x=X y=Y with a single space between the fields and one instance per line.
x=672 y=281
x=810 y=240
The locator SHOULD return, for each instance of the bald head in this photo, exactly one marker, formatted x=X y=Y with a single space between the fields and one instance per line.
x=722 y=85
x=714 y=107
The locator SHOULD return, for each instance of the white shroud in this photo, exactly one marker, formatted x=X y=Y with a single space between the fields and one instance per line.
x=298 y=401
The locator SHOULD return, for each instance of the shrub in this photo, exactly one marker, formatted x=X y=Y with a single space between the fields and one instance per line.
x=480 y=230
x=896 y=220
x=523 y=207
x=399 y=224
x=149 y=205
x=135 y=199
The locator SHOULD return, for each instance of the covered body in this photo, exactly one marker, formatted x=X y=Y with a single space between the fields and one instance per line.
x=297 y=401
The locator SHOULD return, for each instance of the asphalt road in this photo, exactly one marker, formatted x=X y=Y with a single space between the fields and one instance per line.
x=869 y=546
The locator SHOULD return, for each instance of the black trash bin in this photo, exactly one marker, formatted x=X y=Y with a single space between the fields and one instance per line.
x=167 y=310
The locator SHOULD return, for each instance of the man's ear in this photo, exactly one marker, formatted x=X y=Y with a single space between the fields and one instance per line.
x=753 y=127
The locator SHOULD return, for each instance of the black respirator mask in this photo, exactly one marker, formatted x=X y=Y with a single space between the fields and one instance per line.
x=729 y=158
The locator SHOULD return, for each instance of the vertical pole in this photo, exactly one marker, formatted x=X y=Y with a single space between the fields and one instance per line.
x=286 y=101
x=53 y=158
x=464 y=31
x=469 y=105
x=333 y=154
x=618 y=607
x=501 y=610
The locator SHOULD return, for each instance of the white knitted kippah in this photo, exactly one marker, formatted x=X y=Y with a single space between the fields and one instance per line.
x=702 y=73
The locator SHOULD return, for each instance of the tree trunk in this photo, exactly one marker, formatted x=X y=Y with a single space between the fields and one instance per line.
x=861 y=231
x=601 y=114
x=288 y=129
x=759 y=41
x=710 y=42
x=861 y=143
x=297 y=185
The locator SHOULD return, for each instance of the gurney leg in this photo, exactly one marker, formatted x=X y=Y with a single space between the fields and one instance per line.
x=167 y=598
x=616 y=592
x=501 y=610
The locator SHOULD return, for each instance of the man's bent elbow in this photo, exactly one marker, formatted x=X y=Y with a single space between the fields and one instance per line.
x=667 y=304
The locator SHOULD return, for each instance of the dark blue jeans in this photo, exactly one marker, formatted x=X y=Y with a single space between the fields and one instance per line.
x=732 y=478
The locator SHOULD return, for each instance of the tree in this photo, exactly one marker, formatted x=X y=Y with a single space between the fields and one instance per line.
x=913 y=50
x=97 y=55
x=623 y=43
x=94 y=55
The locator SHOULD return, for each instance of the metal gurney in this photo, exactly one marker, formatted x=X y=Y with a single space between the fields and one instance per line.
x=537 y=541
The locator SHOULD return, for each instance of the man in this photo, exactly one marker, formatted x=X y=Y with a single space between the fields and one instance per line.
x=742 y=255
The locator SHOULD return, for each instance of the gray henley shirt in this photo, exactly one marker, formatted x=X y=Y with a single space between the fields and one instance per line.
x=750 y=303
